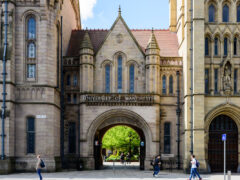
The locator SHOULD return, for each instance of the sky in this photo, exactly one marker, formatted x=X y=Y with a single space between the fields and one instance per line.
x=138 y=14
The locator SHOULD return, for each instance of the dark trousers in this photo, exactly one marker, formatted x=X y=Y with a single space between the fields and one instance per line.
x=39 y=173
x=156 y=170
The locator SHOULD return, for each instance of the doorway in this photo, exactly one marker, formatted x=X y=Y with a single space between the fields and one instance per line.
x=223 y=125
x=119 y=139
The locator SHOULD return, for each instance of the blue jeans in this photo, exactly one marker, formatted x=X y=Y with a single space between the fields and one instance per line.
x=156 y=170
x=194 y=173
x=39 y=173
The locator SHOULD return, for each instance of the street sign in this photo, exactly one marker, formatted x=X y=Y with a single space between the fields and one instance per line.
x=142 y=143
x=224 y=137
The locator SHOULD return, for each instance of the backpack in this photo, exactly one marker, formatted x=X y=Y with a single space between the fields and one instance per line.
x=42 y=165
x=197 y=164
x=152 y=163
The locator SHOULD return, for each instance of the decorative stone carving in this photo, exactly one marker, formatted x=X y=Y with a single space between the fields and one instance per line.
x=119 y=38
x=227 y=78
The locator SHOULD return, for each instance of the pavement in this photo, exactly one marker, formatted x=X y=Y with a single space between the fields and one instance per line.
x=118 y=172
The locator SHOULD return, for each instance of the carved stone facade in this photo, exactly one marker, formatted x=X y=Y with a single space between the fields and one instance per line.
x=106 y=93
x=32 y=80
x=215 y=73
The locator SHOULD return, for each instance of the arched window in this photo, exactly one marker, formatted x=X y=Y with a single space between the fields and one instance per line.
x=225 y=46
x=68 y=80
x=119 y=71
x=235 y=45
x=31 y=26
x=211 y=13
x=31 y=48
x=170 y=85
x=107 y=78
x=238 y=13
x=206 y=46
x=216 y=46
x=225 y=15
x=164 y=85
x=131 y=79
x=167 y=138
x=30 y=135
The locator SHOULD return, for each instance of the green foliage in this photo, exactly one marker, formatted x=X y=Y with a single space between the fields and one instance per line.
x=118 y=138
x=117 y=158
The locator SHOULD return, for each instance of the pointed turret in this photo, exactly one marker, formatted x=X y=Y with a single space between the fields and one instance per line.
x=152 y=65
x=86 y=64
x=86 y=42
x=152 y=43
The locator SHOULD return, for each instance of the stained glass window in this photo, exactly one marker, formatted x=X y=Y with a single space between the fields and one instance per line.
x=225 y=13
x=131 y=75
x=215 y=81
x=31 y=71
x=235 y=44
x=171 y=85
x=238 y=13
x=31 y=28
x=211 y=13
x=75 y=80
x=164 y=84
x=225 y=46
x=107 y=78
x=119 y=74
x=216 y=46
x=31 y=50
x=30 y=135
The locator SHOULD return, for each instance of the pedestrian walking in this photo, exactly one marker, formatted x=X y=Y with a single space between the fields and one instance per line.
x=122 y=158
x=39 y=166
x=156 y=166
x=128 y=158
x=194 y=166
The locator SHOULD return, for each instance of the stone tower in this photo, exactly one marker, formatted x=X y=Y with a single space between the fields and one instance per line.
x=152 y=65
x=86 y=64
x=32 y=125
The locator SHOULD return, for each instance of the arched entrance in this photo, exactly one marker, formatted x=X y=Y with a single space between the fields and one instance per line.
x=115 y=117
x=98 y=145
x=223 y=124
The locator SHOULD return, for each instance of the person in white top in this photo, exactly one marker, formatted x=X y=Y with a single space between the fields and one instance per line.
x=194 y=171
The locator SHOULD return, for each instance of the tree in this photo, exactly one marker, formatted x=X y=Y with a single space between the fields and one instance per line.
x=117 y=138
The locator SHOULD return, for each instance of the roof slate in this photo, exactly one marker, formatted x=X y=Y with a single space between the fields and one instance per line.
x=167 y=41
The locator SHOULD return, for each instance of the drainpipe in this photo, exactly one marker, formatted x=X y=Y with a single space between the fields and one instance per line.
x=4 y=77
x=178 y=111
x=191 y=69
x=62 y=103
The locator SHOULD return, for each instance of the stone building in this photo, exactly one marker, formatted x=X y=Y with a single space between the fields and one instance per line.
x=32 y=124
x=121 y=77
x=213 y=104
x=173 y=87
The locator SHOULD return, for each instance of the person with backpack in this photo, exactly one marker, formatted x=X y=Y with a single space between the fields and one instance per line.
x=194 y=165
x=156 y=166
x=40 y=164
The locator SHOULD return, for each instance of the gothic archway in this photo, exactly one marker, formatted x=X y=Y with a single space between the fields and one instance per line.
x=120 y=117
x=223 y=124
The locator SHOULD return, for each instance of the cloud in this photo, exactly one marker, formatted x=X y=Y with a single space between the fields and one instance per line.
x=86 y=8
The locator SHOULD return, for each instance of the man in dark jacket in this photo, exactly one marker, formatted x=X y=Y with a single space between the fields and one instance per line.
x=156 y=166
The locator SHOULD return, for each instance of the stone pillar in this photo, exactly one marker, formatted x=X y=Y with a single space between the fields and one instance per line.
x=173 y=15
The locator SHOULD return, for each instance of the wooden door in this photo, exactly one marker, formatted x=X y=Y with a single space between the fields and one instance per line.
x=223 y=125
